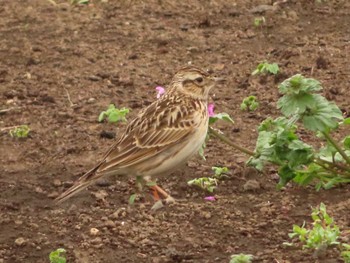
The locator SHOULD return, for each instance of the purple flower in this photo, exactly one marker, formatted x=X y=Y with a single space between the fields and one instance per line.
x=211 y=109
x=209 y=198
x=160 y=91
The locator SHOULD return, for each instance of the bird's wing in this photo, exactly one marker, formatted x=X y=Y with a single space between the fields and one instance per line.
x=149 y=134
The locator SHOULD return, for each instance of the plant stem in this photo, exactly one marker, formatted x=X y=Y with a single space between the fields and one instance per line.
x=323 y=165
x=343 y=167
x=337 y=146
x=229 y=142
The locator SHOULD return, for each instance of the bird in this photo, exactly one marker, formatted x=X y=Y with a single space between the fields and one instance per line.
x=164 y=135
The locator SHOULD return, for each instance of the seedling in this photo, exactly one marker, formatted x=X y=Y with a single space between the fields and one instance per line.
x=20 y=131
x=241 y=258
x=205 y=183
x=58 y=256
x=209 y=183
x=323 y=234
x=249 y=104
x=258 y=21
x=220 y=172
x=266 y=68
x=113 y=115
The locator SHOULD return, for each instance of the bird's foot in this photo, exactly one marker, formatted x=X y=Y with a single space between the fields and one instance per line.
x=163 y=202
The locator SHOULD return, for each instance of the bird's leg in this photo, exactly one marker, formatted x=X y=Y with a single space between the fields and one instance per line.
x=160 y=195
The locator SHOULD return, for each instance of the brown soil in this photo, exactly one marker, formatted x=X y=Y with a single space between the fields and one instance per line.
x=118 y=52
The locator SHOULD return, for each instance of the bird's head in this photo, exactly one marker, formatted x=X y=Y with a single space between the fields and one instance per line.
x=193 y=82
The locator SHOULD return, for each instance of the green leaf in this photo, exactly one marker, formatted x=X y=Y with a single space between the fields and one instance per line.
x=291 y=104
x=346 y=121
x=132 y=199
x=277 y=143
x=150 y=184
x=249 y=103
x=272 y=68
x=241 y=258
x=220 y=116
x=299 y=84
x=346 y=142
x=266 y=67
x=323 y=116
x=113 y=114
x=56 y=257
x=21 y=131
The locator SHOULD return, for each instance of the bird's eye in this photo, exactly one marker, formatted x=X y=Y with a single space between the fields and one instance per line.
x=199 y=80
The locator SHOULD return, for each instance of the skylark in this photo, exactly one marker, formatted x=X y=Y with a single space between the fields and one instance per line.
x=163 y=135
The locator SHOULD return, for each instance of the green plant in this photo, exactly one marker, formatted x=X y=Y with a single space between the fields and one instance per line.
x=205 y=183
x=249 y=103
x=278 y=142
x=57 y=257
x=241 y=258
x=209 y=183
x=258 y=21
x=323 y=234
x=113 y=114
x=220 y=172
x=266 y=67
x=20 y=131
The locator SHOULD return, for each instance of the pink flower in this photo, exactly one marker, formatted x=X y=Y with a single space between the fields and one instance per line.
x=160 y=91
x=211 y=109
x=209 y=198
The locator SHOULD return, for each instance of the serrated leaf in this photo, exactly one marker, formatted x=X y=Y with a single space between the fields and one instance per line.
x=295 y=104
x=299 y=84
x=272 y=68
x=323 y=116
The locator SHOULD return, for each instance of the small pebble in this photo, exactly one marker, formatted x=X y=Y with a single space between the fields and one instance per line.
x=91 y=100
x=94 y=231
x=57 y=182
x=251 y=185
x=20 y=241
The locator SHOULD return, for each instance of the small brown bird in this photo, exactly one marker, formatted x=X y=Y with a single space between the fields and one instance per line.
x=163 y=135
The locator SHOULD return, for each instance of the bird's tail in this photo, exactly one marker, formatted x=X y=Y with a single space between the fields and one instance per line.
x=81 y=184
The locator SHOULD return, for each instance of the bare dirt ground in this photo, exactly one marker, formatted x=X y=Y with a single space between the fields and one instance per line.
x=118 y=52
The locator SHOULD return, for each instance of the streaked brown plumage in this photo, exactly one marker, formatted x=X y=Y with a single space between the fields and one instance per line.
x=163 y=135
